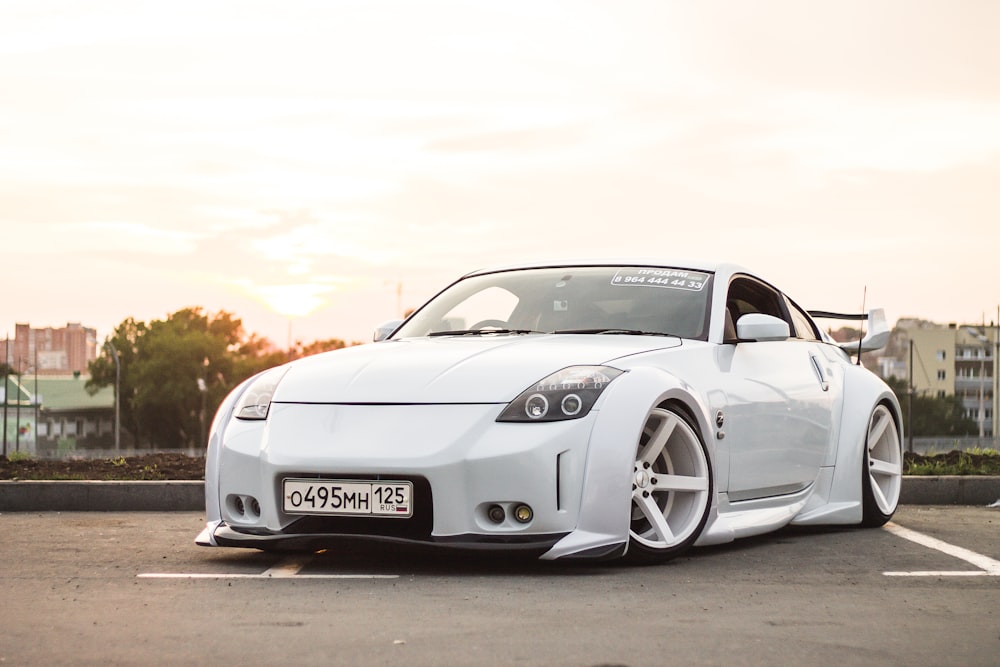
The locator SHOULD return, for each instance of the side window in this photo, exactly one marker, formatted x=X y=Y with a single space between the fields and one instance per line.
x=802 y=325
x=750 y=296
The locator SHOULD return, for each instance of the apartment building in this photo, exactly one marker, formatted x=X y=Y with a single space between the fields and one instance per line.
x=958 y=360
x=53 y=351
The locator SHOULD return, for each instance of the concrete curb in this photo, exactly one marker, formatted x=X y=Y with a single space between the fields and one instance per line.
x=189 y=496
x=950 y=490
x=96 y=496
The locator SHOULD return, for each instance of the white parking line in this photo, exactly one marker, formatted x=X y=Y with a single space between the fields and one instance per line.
x=288 y=568
x=988 y=566
x=224 y=575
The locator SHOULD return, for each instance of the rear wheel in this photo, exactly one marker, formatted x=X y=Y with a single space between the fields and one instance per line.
x=883 y=468
x=671 y=488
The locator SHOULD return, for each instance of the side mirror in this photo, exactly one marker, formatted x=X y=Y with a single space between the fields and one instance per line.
x=761 y=327
x=383 y=330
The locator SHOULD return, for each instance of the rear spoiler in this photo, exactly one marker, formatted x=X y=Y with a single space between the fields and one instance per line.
x=878 y=329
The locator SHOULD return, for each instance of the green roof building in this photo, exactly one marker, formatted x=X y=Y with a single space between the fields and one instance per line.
x=54 y=415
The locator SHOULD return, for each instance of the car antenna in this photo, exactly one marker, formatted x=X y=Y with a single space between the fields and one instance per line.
x=861 y=336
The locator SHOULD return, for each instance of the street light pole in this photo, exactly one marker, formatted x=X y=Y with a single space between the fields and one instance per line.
x=36 y=401
x=996 y=379
x=118 y=377
x=909 y=404
x=982 y=390
x=987 y=351
x=17 y=413
x=203 y=388
x=6 y=368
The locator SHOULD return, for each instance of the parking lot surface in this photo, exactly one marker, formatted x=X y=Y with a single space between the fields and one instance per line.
x=132 y=588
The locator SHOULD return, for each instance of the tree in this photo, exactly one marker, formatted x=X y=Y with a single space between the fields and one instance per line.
x=316 y=347
x=933 y=416
x=175 y=372
x=102 y=370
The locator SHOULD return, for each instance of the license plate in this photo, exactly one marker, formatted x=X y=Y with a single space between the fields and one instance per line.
x=348 y=497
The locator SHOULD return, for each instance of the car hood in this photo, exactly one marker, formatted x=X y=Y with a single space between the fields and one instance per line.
x=471 y=369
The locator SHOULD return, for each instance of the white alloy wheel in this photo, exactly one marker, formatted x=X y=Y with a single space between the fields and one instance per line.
x=671 y=488
x=882 y=476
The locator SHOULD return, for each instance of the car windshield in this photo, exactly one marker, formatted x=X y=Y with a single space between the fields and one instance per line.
x=586 y=300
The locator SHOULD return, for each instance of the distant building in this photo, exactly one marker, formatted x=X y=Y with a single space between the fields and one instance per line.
x=54 y=415
x=958 y=360
x=17 y=418
x=51 y=351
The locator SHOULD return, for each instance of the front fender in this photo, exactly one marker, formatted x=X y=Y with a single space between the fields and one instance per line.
x=213 y=455
x=606 y=499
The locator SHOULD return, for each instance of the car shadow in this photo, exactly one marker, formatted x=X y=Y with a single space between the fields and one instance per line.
x=357 y=558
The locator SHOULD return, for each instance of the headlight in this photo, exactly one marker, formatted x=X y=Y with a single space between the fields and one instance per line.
x=566 y=394
x=256 y=400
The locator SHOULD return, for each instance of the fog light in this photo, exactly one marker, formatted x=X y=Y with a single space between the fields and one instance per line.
x=255 y=507
x=240 y=508
x=523 y=513
x=496 y=514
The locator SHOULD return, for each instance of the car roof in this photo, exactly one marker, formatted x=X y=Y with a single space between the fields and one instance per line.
x=718 y=267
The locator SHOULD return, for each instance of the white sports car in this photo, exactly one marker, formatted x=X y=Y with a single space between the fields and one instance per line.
x=584 y=410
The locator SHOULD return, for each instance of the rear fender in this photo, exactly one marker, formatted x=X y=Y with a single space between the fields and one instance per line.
x=862 y=392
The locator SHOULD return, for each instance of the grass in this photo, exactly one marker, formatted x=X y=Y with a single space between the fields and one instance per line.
x=971 y=462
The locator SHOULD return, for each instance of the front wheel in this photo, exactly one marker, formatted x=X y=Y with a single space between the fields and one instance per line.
x=671 y=488
x=883 y=468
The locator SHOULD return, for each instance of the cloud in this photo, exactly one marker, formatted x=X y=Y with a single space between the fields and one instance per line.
x=293 y=300
x=105 y=238
x=303 y=240
x=843 y=132
x=513 y=140
x=328 y=152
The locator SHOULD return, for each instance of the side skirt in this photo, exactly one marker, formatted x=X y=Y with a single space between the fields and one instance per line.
x=734 y=520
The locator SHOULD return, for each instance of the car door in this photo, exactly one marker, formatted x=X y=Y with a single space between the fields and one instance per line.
x=778 y=414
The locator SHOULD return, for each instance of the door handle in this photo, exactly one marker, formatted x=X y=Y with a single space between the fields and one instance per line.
x=820 y=375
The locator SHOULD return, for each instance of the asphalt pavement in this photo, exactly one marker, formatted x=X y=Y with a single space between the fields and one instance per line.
x=131 y=588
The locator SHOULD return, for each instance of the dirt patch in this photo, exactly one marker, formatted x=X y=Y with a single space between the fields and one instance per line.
x=954 y=462
x=146 y=467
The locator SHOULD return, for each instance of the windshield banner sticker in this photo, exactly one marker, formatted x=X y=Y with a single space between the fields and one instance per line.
x=673 y=278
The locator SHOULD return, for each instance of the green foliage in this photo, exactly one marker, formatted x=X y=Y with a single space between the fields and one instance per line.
x=317 y=347
x=151 y=472
x=124 y=340
x=175 y=372
x=18 y=456
x=933 y=416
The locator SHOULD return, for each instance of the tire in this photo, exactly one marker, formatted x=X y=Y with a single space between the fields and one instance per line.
x=671 y=488
x=882 y=475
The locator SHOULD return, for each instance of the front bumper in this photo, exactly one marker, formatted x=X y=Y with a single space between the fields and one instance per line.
x=461 y=461
x=533 y=545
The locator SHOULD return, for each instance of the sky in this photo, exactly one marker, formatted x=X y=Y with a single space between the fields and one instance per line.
x=315 y=168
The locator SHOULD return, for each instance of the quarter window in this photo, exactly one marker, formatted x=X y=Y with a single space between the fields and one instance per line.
x=803 y=326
